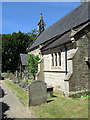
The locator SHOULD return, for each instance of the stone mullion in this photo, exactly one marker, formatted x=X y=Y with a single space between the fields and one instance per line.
x=57 y=59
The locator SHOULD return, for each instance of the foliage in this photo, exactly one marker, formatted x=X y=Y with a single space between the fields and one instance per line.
x=33 y=64
x=27 y=80
x=85 y=96
x=84 y=0
x=12 y=45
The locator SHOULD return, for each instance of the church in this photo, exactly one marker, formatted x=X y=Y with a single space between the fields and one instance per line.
x=64 y=51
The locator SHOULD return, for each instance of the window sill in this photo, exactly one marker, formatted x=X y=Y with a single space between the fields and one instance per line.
x=56 y=67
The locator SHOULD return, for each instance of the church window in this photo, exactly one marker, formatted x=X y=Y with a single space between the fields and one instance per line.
x=56 y=59
x=59 y=58
x=52 y=59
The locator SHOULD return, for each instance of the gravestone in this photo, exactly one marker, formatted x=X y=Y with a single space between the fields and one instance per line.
x=37 y=92
x=17 y=80
x=24 y=78
x=11 y=76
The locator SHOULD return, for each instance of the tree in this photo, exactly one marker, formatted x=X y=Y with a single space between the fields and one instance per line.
x=84 y=0
x=12 y=46
x=0 y=55
x=33 y=64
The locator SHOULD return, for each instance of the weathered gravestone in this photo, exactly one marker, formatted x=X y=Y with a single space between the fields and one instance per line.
x=37 y=91
x=17 y=77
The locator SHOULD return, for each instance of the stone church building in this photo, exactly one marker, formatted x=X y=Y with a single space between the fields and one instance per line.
x=64 y=49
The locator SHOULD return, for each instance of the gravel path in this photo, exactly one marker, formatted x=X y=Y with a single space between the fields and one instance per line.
x=15 y=109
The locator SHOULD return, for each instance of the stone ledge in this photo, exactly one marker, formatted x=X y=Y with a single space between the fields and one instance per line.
x=76 y=94
x=68 y=76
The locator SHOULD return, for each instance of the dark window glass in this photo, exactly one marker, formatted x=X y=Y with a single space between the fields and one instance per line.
x=52 y=59
x=59 y=54
x=56 y=58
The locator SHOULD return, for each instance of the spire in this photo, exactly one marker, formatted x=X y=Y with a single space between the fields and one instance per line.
x=41 y=25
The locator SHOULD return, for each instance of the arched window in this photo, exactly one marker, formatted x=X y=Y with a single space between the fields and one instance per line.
x=56 y=59
x=59 y=58
x=52 y=59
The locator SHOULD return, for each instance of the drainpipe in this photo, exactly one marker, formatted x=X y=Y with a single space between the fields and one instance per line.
x=66 y=59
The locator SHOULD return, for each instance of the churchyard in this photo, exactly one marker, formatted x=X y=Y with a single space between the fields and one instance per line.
x=57 y=106
x=43 y=100
x=50 y=72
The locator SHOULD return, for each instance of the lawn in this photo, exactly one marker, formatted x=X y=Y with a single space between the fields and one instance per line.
x=56 y=107
x=21 y=93
x=62 y=107
x=27 y=80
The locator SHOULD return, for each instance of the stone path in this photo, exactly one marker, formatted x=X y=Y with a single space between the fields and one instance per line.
x=16 y=108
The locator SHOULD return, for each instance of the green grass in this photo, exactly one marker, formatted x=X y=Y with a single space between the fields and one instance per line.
x=62 y=107
x=28 y=80
x=21 y=93
x=59 y=107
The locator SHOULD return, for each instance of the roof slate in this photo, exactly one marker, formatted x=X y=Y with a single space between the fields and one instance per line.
x=74 y=18
x=66 y=38
x=23 y=59
x=62 y=40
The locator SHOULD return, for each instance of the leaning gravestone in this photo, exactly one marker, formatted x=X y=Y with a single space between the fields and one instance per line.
x=37 y=91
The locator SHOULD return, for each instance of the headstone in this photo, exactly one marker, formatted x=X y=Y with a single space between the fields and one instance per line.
x=16 y=74
x=37 y=91
x=17 y=80
x=11 y=76
x=25 y=78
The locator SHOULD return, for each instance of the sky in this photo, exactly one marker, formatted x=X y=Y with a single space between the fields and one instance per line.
x=24 y=16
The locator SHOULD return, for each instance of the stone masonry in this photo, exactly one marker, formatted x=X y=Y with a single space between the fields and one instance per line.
x=81 y=71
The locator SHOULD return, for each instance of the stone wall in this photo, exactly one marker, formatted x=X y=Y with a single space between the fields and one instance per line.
x=40 y=74
x=55 y=79
x=54 y=76
x=35 y=52
x=77 y=67
x=81 y=71
x=89 y=61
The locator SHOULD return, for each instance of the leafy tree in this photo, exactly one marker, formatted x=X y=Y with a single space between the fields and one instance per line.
x=0 y=55
x=33 y=64
x=12 y=46
x=84 y=1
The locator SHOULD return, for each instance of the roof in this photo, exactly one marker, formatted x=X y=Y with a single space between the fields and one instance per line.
x=23 y=59
x=62 y=40
x=74 y=18
x=66 y=38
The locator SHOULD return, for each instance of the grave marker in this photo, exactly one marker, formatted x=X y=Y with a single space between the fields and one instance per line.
x=37 y=91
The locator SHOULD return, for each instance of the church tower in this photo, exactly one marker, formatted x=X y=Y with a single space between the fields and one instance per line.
x=41 y=25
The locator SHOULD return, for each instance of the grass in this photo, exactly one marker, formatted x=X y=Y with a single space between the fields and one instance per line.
x=56 y=107
x=21 y=93
x=27 y=80
x=62 y=107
